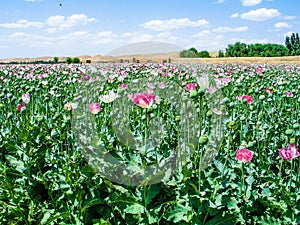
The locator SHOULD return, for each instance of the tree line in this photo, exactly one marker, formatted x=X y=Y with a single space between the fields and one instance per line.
x=193 y=53
x=239 y=49
x=68 y=60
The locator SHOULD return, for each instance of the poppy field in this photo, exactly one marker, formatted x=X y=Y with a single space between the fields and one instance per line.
x=149 y=144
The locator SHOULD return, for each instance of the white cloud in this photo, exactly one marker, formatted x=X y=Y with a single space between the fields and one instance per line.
x=77 y=34
x=210 y=42
x=32 y=0
x=230 y=29
x=218 y=2
x=235 y=15
x=289 y=33
x=51 y=30
x=288 y=17
x=249 y=41
x=250 y=2
x=130 y=34
x=21 y=35
x=106 y=34
x=103 y=41
x=160 y=25
x=86 y=38
x=261 y=14
x=22 y=24
x=142 y=37
x=163 y=35
x=63 y=22
x=203 y=33
x=55 y=21
x=282 y=25
x=166 y=36
x=60 y=22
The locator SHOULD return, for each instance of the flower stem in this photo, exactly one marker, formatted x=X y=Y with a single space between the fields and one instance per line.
x=243 y=192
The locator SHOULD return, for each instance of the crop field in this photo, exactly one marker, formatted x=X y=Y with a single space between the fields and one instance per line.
x=149 y=144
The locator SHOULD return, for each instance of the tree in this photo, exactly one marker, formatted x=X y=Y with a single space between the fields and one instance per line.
x=293 y=44
x=69 y=60
x=288 y=44
x=221 y=54
x=188 y=54
x=76 y=60
x=55 y=59
x=204 y=54
x=237 y=50
x=255 y=50
x=194 y=50
x=297 y=45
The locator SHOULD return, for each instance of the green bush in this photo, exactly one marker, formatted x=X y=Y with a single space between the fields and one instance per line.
x=188 y=54
x=204 y=54
x=55 y=59
x=69 y=60
x=76 y=60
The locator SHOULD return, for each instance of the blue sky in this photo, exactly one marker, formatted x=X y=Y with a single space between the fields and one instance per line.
x=32 y=28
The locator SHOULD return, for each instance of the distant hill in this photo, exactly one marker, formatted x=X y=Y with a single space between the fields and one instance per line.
x=147 y=47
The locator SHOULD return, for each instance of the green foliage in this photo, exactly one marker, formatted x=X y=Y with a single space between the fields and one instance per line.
x=69 y=60
x=188 y=54
x=203 y=54
x=267 y=50
x=193 y=50
x=76 y=60
x=237 y=50
x=255 y=50
x=55 y=59
x=221 y=54
x=193 y=53
x=293 y=44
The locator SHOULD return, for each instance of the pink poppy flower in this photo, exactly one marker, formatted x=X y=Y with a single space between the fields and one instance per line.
x=161 y=85
x=247 y=97
x=94 y=108
x=26 y=98
x=191 y=86
x=259 y=70
x=244 y=155
x=268 y=91
x=289 y=153
x=150 y=91
x=20 y=106
x=143 y=100
x=86 y=77
x=211 y=89
x=150 y=85
x=157 y=99
x=289 y=94
x=123 y=86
